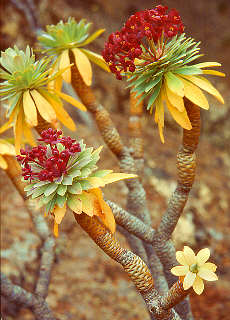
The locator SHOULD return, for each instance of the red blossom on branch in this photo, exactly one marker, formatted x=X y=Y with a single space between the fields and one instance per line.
x=148 y=26
x=48 y=162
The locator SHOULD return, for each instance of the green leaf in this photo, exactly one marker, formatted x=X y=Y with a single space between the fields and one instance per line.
x=174 y=84
x=74 y=172
x=61 y=190
x=68 y=180
x=92 y=37
x=50 y=189
x=154 y=95
x=50 y=205
x=38 y=191
x=85 y=185
x=75 y=188
x=45 y=199
x=101 y=173
x=152 y=83
x=188 y=70
x=60 y=200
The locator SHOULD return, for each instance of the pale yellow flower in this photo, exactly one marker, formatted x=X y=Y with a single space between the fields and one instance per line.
x=194 y=268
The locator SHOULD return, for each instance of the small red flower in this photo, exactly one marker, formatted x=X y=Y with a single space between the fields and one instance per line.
x=46 y=163
x=124 y=46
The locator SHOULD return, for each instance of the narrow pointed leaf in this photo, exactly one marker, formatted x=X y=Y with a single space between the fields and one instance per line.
x=174 y=84
x=29 y=109
x=95 y=35
x=44 y=107
x=97 y=59
x=71 y=100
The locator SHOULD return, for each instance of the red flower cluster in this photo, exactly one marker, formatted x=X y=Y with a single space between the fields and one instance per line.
x=124 y=46
x=47 y=162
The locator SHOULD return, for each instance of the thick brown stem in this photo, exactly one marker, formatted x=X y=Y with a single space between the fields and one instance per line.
x=43 y=124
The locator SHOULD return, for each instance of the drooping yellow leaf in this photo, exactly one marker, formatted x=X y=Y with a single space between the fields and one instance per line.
x=105 y=214
x=3 y=163
x=194 y=94
x=205 y=85
x=61 y=113
x=97 y=59
x=28 y=135
x=6 y=126
x=214 y=72
x=12 y=117
x=180 y=117
x=55 y=229
x=30 y=110
x=18 y=131
x=159 y=115
x=175 y=100
x=71 y=100
x=175 y=84
x=112 y=177
x=207 y=64
x=84 y=66
x=95 y=35
x=88 y=200
x=6 y=148
x=75 y=204
x=44 y=107
x=96 y=182
x=59 y=213
x=98 y=150
x=65 y=63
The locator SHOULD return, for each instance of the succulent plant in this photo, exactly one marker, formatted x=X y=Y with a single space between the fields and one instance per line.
x=155 y=55
x=63 y=173
x=25 y=88
x=67 y=38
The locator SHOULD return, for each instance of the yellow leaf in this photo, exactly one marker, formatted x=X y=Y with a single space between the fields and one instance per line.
x=44 y=107
x=87 y=203
x=71 y=100
x=18 y=131
x=55 y=229
x=97 y=59
x=105 y=214
x=98 y=150
x=205 y=85
x=12 y=117
x=214 y=72
x=3 y=163
x=174 y=83
x=180 y=117
x=6 y=148
x=174 y=99
x=194 y=94
x=159 y=115
x=84 y=66
x=30 y=110
x=59 y=213
x=95 y=35
x=75 y=204
x=65 y=63
x=96 y=182
x=61 y=113
x=207 y=64
x=28 y=135
x=112 y=177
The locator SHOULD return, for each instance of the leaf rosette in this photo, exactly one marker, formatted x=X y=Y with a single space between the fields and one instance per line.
x=64 y=174
x=25 y=88
x=67 y=39
x=155 y=55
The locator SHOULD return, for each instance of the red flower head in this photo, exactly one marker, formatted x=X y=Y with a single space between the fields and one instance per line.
x=48 y=162
x=148 y=26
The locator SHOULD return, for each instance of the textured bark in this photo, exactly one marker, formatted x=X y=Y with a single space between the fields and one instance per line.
x=16 y=294
x=135 y=129
x=132 y=264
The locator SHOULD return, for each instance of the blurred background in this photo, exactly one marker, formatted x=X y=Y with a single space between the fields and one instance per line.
x=85 y=284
